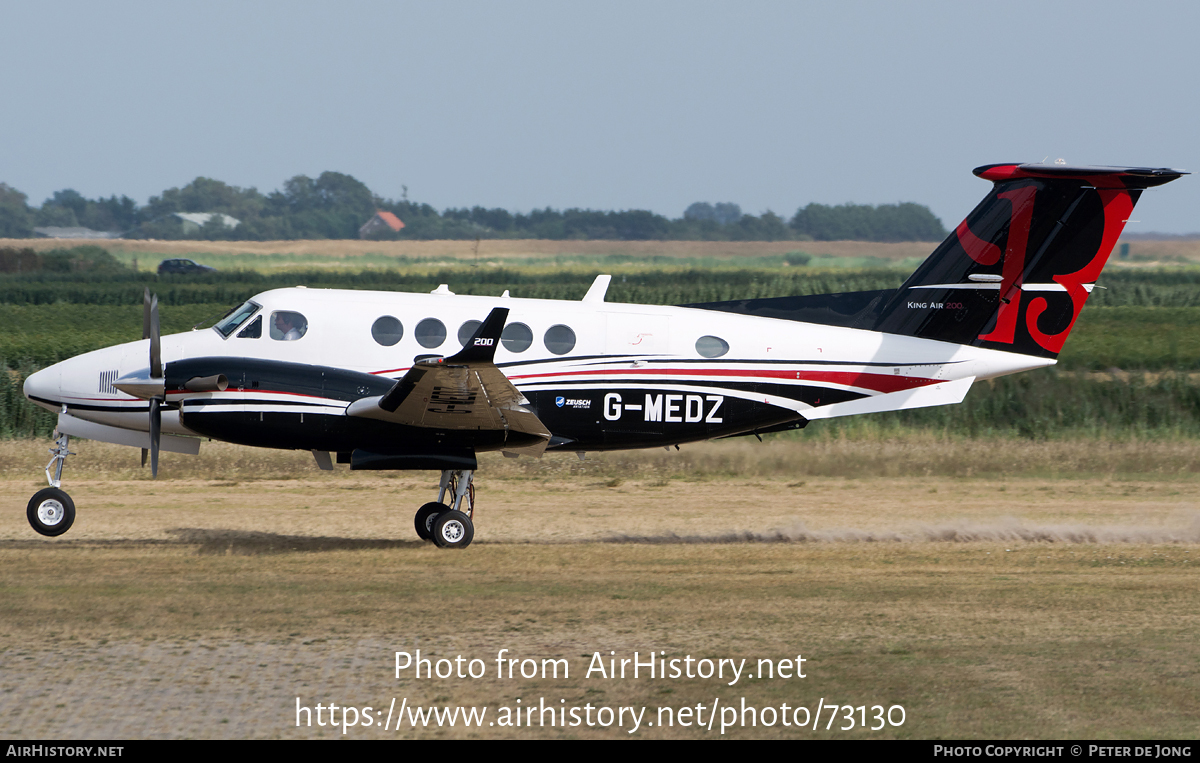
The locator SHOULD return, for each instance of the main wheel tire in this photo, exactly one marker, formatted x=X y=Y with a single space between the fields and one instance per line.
x=424 y=519
x=453 y=529
x=51 y=512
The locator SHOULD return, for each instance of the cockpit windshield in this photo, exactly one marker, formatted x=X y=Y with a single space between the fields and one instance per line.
x=235 y=318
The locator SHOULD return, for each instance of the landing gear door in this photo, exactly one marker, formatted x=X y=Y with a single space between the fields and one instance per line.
x=636 y=334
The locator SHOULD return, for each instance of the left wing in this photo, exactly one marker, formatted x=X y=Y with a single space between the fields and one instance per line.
x=464 y=391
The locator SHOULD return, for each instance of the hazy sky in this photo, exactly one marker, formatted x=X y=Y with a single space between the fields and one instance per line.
x=650 y=104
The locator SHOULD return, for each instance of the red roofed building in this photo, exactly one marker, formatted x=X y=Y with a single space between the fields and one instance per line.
x=382 y=222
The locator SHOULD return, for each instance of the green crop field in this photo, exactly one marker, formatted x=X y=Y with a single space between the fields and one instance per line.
x=1142 y=325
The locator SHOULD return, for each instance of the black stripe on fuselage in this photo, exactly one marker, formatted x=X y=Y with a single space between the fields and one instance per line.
x=213 y=402
x=804 y=393
x=640 y=417
x=142 y=408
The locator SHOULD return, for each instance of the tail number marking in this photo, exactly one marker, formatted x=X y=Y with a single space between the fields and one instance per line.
x=712 y=417
x=1117 y=205
x=1013 y=266
x=671 y=409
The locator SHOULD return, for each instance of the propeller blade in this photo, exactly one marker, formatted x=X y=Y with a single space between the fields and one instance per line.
x=155 y=427
x=156 y=370
x=150 y=330
x=146 y=314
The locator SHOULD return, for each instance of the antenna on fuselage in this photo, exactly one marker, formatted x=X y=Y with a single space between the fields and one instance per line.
x=598 y=289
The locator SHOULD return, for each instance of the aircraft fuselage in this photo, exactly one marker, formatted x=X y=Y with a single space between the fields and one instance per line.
x=628 y=376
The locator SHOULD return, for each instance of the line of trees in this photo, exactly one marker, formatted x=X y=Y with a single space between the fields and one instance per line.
x=334 y=206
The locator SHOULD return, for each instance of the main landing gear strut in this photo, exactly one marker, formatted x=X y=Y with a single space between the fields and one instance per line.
x=51 y=511
x=450 y=526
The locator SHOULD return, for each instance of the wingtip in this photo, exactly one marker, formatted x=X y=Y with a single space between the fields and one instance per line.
x=481 y=347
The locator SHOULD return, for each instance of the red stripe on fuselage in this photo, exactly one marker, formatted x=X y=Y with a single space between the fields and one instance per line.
x=876 y=382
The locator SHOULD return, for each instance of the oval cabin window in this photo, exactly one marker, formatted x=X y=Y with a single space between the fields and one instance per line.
x=387 y=331
x=711 y=346
x=466 y=330
x=430 y=333
x=288 y=326
x=516 y=337
x=559 y=339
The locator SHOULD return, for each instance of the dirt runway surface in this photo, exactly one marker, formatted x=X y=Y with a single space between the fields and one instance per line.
x=370 y=509
x=210 y=608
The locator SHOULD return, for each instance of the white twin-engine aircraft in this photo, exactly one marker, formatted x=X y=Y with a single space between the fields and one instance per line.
x=387 y=380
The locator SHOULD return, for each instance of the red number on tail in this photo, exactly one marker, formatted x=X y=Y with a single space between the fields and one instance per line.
x=986 y=253
x=1118 y=205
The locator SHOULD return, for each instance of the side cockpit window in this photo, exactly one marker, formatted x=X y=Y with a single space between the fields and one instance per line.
x=235 y=318
x=288 y=326
x=253 y=331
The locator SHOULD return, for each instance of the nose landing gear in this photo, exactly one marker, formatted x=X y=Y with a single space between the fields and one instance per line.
x=450 y=526
x=51 y=511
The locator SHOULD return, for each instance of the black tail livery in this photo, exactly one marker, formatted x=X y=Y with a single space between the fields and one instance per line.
x=1012 y=276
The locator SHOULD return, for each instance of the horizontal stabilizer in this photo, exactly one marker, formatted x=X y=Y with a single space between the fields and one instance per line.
x=89 y=430
x=945 y=393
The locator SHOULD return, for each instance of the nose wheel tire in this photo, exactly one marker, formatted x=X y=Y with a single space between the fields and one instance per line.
x=425 y=518
x=453 y=529
x=51 y=512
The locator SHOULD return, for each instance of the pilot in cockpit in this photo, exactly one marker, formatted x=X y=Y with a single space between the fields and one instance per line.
x=289 y=326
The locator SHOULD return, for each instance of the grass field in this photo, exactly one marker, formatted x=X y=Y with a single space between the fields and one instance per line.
x=357 y=254
x=1009 y=604
x=269 y=255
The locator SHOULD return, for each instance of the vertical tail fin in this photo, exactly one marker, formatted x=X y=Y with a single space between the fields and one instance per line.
x=1015 y=274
